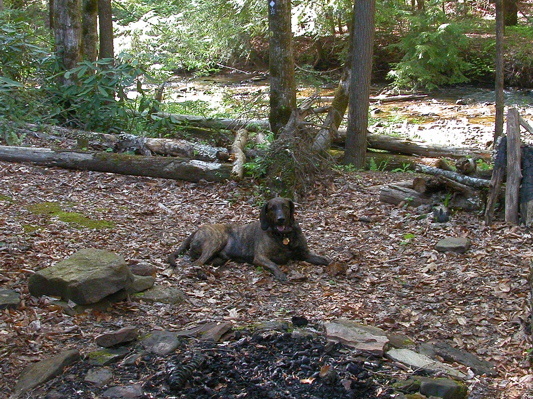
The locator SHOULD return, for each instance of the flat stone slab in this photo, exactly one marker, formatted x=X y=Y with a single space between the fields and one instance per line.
x=161 y=342
x=122 y=336
x=358 y=336
x=45 y=370
x=162 y=294
x=453 y=244
x=418 y=361
x=9 y=299
x=451 y=354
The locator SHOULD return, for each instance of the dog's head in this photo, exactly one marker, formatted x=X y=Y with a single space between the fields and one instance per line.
x=278 y=215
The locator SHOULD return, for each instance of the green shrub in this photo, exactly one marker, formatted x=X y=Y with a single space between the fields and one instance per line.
x=432 y=57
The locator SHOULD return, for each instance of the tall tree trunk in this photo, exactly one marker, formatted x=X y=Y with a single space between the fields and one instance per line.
x=51 y=14
x=499 y=65
x=105 y=14
x=67 y=16
x=281 y=60
x=1 y=5
x=363 y=41
x=90 y=30
x=510 y=9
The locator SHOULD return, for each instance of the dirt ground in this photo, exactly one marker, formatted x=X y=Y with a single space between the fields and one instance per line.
x=395 y=280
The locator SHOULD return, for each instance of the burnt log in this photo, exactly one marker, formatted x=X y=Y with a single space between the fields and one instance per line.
x=526 y=190
x=164 y=167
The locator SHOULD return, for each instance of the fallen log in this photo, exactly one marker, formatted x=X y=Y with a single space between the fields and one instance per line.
x=467 y=180
x=409 y=147
x=252 y=125
x=164 y=167
x=161 y=146
x=398 y=195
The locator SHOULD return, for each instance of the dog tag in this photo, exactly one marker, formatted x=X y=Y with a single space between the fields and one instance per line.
x=286 y=241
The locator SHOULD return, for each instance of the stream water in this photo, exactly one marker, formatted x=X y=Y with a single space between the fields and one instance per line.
x=456 y=116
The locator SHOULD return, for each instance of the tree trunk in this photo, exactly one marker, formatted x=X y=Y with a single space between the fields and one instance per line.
x=90 y=30
x=67 y=17
x=164 y=167
x=105 y=16
x=395 y=194
x=335 y=115
x=281 y=64
x=499 y=66
x=498 y=175
x=237 y=149
x=1 y=5
x=363 y=41
x=514 y=172
x=510 y=8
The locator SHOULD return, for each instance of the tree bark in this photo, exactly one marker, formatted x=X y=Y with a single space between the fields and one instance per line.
x=510 y=8
x=67 y=17
x=363 y=42
x=164 y=167
x=526 y=191
x=514 y=172
x=105 y=16
x=498 y=175
x=281 y=64
x=90 y=30
x=499 y=66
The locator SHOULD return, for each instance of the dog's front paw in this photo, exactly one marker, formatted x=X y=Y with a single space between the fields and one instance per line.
x=281 y=277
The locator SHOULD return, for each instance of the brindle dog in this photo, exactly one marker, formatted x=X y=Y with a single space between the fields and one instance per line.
x=274 y=240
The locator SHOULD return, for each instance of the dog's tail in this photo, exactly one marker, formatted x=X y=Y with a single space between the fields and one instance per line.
x=182 y=248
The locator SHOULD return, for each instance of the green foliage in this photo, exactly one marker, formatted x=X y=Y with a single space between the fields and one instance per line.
x=200 y=38
x=432 y=51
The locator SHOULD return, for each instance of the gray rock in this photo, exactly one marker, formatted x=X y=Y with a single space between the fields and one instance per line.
x=207 y=331
x=124 y=392
x=418 y=361
x=443 y=388
x=122 y=336
x=364 y=338
x=168 y=295
x=161 y=342
x=453 y=244
x=40 y=372
x=9 y=299
x=143 y=269
x=451 y=354
x=107 y=356
x=141 y=283
x=86 y=277
x=99 y=376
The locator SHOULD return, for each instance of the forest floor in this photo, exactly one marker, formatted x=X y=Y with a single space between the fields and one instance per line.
x=395 y=280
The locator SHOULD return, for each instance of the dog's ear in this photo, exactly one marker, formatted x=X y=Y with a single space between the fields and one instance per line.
x=263 y=217
x=291 y=205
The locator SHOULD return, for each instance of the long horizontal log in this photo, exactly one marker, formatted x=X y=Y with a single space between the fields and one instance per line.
x=252 y=125
x=164 y=167
x=467 y=180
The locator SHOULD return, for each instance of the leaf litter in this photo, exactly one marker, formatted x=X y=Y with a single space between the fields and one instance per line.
x=386 y=271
